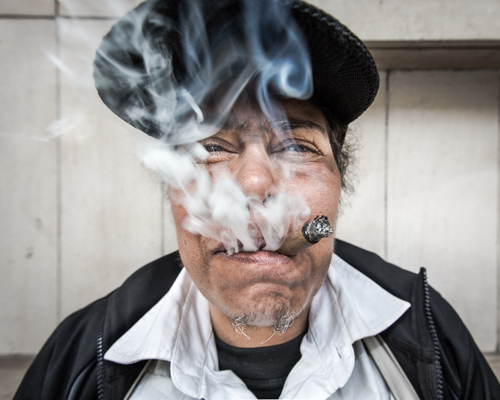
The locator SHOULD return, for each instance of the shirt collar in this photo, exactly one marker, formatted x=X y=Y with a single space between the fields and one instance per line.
x=348 y=307
x=178 y=329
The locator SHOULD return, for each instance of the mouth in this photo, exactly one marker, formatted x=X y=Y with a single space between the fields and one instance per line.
x=263 y=257
x=259 y=243
x=260 y=256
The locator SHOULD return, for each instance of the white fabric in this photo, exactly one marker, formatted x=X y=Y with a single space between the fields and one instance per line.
x=178 y=330
x=389 y=367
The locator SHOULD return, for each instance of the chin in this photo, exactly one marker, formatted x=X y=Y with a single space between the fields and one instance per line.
x=271 y=313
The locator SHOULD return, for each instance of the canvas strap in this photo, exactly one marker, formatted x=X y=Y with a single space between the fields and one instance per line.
x=394 y=376
x=128 y=396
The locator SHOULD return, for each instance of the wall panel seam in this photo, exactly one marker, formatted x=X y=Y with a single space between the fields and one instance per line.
x=163 y=192
x=386 y=162
x=58 y=180
x=498 y=215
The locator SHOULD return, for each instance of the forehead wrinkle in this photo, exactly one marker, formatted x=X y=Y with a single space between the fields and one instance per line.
x=266 y=126
x=297 y=123
x=236 y=124
x=242 y=125
x=248 y=126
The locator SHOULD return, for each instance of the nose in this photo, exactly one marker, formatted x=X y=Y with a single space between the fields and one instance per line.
x=256 y=172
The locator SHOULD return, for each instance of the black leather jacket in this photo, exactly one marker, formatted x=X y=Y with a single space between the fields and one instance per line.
x=430 y=341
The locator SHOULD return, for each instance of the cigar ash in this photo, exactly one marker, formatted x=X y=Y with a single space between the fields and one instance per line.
x=307 y=236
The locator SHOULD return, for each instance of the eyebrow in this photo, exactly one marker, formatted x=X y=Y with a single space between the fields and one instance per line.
x=234 y=123
x=296 y=123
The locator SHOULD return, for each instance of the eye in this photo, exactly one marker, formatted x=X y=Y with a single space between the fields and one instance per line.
x=296 y=150
x=213 y=148
x=295 y=147
x=218 y=150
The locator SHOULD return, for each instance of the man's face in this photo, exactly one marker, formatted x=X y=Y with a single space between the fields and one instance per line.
x=263 y=287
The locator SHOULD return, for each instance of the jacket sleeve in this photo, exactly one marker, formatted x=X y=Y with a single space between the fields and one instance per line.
x=467 y=374
x=68 y=356
x=462 y=371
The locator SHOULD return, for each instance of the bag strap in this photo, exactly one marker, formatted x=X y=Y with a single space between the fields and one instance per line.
x=392 y=372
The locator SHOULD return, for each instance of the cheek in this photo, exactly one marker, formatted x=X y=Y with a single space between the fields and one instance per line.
x=179 y=213
x=189 y=244
x=320 y=188
x=321 y=191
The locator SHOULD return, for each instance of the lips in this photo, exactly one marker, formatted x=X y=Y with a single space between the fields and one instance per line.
x=258 y=267
x=260 y=244
x=257 y=257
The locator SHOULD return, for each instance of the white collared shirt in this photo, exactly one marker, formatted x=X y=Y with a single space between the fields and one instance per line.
x=334 y=364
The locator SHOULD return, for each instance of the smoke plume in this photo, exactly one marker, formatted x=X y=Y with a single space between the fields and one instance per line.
x=267 y=54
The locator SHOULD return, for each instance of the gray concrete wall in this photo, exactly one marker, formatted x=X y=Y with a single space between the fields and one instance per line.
x=428 y=186
x=79 y=213
x=395 y=20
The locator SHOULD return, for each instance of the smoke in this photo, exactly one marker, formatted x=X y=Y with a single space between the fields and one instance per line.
x=267 y=54
x=222 y=210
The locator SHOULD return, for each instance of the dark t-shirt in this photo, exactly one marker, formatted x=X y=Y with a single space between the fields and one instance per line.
x=263 y=369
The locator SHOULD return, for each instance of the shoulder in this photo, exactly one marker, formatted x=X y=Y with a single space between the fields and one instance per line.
x=68 y=352
x=430 y=341
x=121 y=308
x=392 y=278
x=72 y=348
x=141 y=291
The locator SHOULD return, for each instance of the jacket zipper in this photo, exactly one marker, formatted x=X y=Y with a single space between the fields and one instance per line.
x=428 y=314
x=434 y=337
x=100 y=365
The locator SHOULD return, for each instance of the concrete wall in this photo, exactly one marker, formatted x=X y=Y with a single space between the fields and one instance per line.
x=428 y=186
x=395 y=20
x=79 y=213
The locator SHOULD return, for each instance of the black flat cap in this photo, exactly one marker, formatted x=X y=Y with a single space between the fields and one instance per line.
x=170 y=56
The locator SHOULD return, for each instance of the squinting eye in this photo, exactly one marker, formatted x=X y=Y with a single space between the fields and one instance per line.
x=296 y=151
x=211 y=148
x=295 y=147
x=218 y=150
x=291 y=146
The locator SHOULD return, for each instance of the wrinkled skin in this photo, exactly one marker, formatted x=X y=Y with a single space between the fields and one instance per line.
x=264 y=285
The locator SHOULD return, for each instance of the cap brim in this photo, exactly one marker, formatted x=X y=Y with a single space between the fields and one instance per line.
x=345 y=77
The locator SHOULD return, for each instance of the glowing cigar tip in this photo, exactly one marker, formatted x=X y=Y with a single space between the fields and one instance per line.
x=307 y=236
x=317 y=229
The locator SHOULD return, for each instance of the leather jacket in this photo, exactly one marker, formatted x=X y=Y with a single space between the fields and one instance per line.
x=430 y=341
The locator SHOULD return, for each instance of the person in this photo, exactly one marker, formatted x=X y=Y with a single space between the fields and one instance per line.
x=250 y=103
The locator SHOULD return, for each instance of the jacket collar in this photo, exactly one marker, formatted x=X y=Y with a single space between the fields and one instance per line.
x=408 y=341
x=178 y=329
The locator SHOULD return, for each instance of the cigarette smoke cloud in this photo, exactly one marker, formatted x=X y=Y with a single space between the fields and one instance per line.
x=270 y=56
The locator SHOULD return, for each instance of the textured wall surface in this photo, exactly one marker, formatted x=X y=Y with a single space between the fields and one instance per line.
x=79 y=213
x=393 y=20
x=428 y=186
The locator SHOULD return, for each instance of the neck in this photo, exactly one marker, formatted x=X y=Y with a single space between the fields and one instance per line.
x=244 y=336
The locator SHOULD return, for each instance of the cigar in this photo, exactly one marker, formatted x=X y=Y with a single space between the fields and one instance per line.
x=306 y=236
